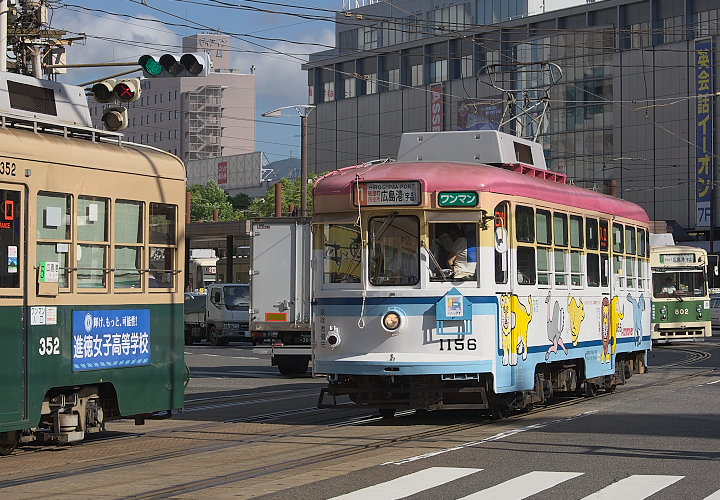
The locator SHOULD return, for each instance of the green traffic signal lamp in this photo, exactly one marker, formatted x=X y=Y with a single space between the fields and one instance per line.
x=150 y=66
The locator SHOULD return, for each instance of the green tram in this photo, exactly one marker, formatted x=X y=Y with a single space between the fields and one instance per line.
x=91 y=240
x=681 y=300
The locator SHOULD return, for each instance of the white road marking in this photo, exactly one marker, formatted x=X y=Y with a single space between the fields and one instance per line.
x=713 y=496
x=496 y=437
x=634 y=487
x=410 y=484
x=716 y=382
x=523 y=486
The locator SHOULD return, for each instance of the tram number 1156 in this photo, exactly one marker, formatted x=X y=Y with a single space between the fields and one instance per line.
x=458 y=344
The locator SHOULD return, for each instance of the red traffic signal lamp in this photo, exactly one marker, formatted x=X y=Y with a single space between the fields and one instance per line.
x=172 y=65
x=128 y=90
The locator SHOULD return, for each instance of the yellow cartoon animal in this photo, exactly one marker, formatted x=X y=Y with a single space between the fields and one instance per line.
x=616 y=315
x=522 y=318
x=576 y=310
x=506 y=328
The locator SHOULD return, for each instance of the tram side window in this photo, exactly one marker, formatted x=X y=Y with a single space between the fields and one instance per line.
x=53 y=232
x=10 y=238
x=618 y=249
x=604 y=249
x=92 y=235
x=642 y=273
x=576 y=254
x=592 y=259
x=163 y=241
x=454 y=248
x=342 y=250
x=525 y=233
x=630 y=260
x=560 y=232
x=128 y=217
x=543 y=223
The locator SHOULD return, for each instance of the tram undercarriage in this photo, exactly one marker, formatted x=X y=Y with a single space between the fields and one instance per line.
x=474 y=391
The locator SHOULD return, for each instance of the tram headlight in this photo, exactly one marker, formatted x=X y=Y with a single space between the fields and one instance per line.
x=391 y=321
x=698 y=309
x=333 y=337
x=663 y=312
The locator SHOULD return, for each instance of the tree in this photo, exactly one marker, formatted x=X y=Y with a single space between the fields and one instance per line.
x=205 y=199
x=240 y=201
x=265 y=207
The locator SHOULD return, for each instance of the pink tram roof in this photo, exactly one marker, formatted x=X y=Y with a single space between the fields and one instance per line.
x=446 y=176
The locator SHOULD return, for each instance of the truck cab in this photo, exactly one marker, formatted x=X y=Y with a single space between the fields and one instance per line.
x=227 y=313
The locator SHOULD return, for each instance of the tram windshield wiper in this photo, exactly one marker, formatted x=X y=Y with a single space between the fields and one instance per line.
x=435 y=261
x=677 y=296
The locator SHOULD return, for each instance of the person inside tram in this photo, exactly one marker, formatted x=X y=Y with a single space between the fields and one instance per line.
x=460 y=258
x=668 y=287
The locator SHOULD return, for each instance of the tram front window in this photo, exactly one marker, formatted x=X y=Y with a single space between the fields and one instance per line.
x=394 y=250
x=453 y=251
x=679 y=284
x=341 y=253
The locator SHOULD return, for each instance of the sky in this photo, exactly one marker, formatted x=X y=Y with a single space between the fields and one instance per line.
x=123 y=30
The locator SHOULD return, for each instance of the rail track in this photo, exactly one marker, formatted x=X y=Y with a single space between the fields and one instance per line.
x=328 y=419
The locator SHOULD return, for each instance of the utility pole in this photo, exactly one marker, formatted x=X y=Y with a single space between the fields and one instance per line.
x=24 y=31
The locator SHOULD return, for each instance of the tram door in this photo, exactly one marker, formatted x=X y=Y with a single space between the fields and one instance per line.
x=13 y=338
x=504 y=267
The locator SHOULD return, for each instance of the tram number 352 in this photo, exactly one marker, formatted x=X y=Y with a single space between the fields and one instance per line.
x=49 y=346
x=458 y=344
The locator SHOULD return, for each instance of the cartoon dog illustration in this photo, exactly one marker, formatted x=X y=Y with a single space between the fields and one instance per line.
x=576 y=311
x=605 y=330
x=638 y=308
x=555 y=326
x=616 y=317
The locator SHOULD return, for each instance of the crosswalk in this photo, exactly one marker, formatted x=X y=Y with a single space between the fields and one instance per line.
x=634 y=487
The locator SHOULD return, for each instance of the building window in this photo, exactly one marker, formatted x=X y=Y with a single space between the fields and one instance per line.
x=371 y=83
x=328 y=91
x=349 y=88
x=706 y=23
x=394 y=79
x=416 y=75
x=639 y=35
x=466 y=66
x=438 y=71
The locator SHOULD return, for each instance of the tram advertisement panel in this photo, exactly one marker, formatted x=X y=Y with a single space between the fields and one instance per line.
x=111 y=339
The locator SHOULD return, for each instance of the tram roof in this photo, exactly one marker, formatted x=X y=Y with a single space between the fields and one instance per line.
x=82 y=152
x=448 y=176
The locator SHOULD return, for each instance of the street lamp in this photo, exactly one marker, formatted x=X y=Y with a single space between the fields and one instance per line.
x=303 y=110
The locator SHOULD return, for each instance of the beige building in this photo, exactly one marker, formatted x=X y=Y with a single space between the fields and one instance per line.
x=194 y=117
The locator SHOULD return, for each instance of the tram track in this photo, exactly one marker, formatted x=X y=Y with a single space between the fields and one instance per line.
x=312 y=459
x=296 y=463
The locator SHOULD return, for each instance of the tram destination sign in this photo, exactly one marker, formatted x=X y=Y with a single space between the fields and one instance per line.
x=387 y=193
x=457 y=199
x=677 y=258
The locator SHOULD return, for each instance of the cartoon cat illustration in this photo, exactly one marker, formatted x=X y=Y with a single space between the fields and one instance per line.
x=555 y=326
x=638 y=308
x=506 y=328
x=605 y=330
x=615 y=322
x=522 y=317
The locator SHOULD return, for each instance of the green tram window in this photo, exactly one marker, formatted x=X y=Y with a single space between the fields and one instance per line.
x=10 y=238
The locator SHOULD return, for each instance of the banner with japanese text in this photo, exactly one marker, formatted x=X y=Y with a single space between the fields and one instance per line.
x=704 y=131
x=111 y=339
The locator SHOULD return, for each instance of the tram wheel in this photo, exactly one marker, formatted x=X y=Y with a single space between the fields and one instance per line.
x=8 y=442
x=590 y=390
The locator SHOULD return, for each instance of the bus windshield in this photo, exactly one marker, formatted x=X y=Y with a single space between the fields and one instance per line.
x=679 y=284
x=394 y=250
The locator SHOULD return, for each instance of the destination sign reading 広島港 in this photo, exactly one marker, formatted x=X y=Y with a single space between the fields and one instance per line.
x=457 y=199
x=387 y=193
x=678 y=258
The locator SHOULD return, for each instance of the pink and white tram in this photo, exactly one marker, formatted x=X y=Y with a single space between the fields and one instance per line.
x=441 y=283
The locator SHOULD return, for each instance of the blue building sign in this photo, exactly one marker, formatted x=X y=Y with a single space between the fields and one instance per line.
x=111 y=339
x=704 y=130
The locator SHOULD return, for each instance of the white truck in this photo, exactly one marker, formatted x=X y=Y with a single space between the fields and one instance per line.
x=220 y=315
x=280 y=289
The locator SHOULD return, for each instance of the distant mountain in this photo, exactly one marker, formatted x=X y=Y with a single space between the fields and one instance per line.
x=288 y=168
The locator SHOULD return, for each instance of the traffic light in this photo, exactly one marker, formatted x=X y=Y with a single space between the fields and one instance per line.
x=115 y=118
x=172 y=65
x=126 y=90
x=104 y=91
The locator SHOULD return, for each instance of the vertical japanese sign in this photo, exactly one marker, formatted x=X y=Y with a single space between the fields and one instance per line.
x=111 y=339
x=704 y=130
x=436 y=108
x=222 y=172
